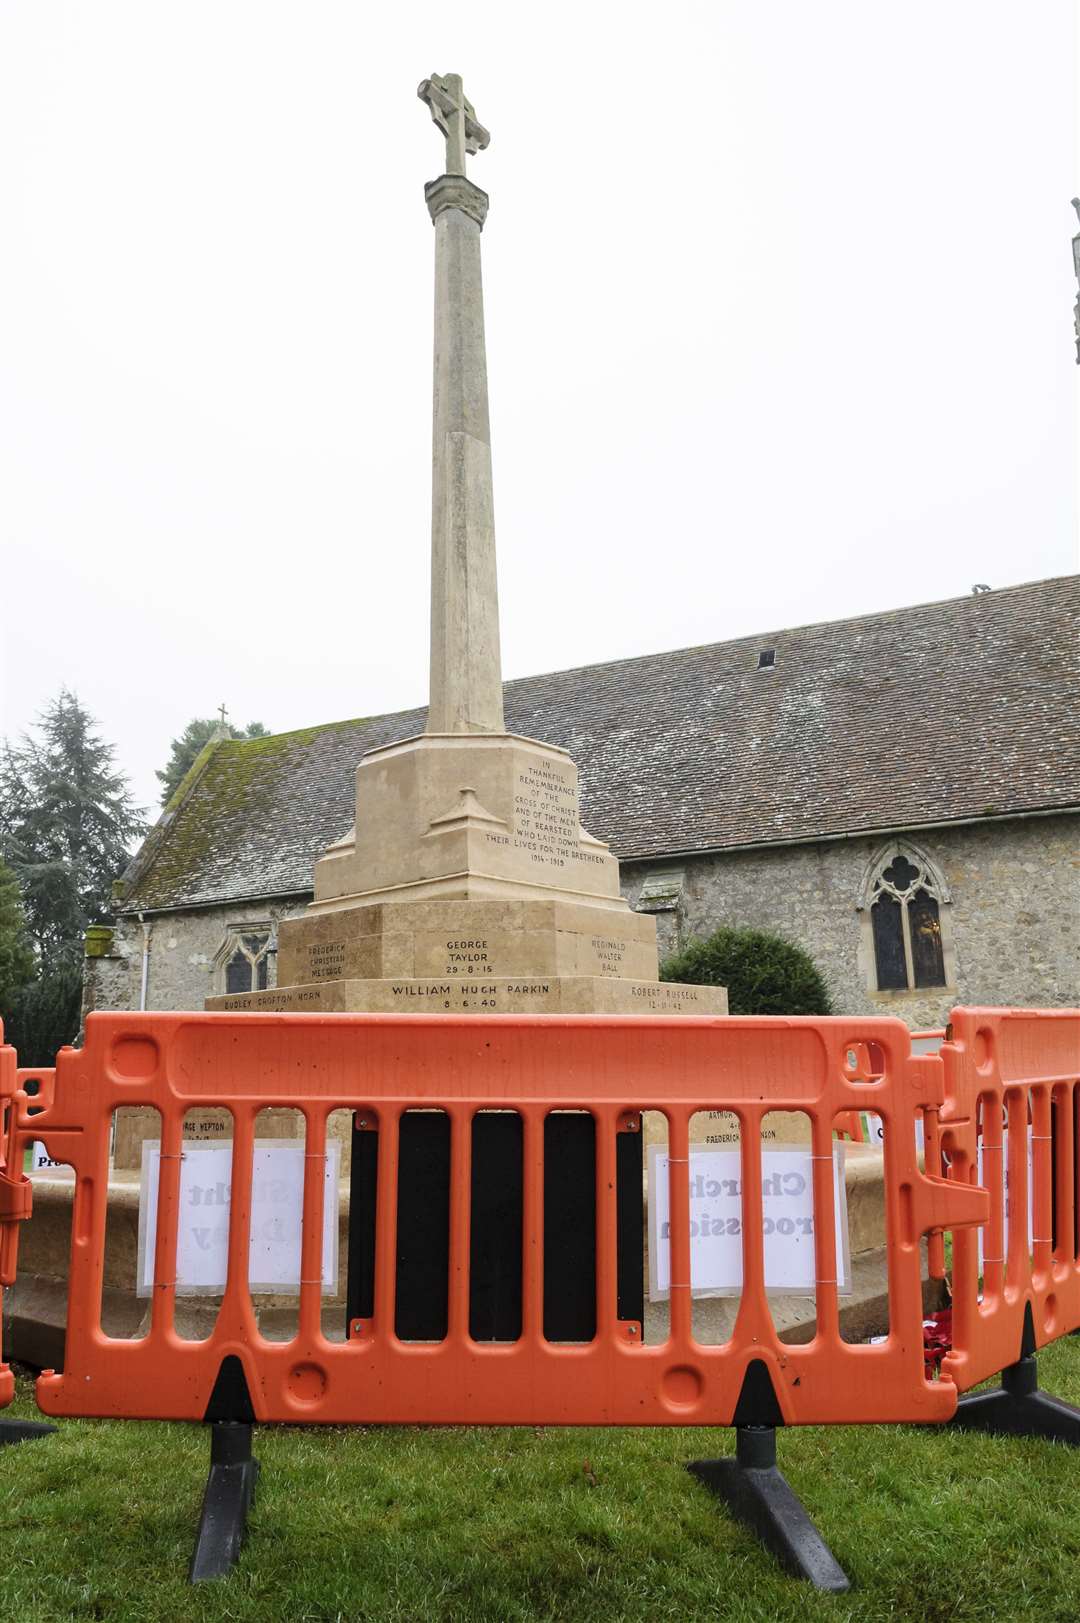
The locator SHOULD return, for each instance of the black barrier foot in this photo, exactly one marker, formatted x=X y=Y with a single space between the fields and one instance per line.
x=1018 y=1409
x=230 y=1494
x=755 y=1491
x=23 y=1431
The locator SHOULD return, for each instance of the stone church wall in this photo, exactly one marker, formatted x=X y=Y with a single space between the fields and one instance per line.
x=1015 y=889
x=1010 y=925
x=185 y=949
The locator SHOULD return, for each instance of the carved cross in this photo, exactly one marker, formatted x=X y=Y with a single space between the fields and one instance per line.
x=455 y=117
x=222 y=712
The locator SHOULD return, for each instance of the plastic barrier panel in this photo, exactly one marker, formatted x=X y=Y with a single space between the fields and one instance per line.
x=14 y=1192
x=1009 y=1122
x=448 y=1073
x=855 y=1127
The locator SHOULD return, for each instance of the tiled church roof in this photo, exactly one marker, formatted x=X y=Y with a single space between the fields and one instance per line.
x=962 y=709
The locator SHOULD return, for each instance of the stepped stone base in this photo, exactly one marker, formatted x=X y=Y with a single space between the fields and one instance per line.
x=466 y=940
x=568 y=994
x=509 y=956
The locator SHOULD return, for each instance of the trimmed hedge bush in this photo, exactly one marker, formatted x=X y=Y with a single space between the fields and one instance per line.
x=763 y=973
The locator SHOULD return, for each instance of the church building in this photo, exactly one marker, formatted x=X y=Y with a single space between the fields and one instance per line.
x=897 y=793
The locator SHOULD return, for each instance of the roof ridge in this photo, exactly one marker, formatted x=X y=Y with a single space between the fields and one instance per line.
x=321 y=726
x=665 y=653
x=809 y=625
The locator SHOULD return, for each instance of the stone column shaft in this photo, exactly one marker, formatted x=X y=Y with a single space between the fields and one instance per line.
x=466 y=673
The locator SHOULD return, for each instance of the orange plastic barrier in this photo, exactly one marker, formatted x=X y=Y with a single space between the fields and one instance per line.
x=922 y=1042
x=14 y=1191
x=384 y=1066
x=1012 y=1103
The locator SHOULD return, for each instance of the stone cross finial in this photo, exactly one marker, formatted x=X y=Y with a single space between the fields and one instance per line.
x=455 y=117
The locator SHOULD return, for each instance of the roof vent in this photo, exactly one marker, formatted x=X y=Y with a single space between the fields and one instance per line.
x=766 y=659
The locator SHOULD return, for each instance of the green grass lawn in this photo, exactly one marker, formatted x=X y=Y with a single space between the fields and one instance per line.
x=98 y=1522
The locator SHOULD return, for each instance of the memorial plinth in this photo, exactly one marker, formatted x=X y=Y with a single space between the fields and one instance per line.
x=467 y=817
x=469 y=885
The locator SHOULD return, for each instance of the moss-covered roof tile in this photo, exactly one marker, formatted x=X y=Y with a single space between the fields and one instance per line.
x=960 y=709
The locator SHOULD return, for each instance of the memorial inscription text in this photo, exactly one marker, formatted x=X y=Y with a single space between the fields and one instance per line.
x=546 y=813
x=466 y=955
x=327 y=960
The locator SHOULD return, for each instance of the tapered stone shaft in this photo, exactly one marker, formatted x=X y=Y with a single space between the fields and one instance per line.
x=466 y=673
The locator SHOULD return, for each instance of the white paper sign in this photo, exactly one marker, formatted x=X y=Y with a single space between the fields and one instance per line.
x=42 y=1161
x=874 y=1131
x=716 y=1255
x=1002 y=1156
x=202 y=1240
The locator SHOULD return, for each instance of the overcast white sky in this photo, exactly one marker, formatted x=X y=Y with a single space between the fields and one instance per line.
x=779 y=330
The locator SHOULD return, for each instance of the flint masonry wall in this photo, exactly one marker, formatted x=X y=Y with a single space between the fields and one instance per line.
x=184 y=955
x=1015 y=889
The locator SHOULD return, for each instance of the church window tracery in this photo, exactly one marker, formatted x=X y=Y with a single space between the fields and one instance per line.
x=245 y=961
x=906 y=900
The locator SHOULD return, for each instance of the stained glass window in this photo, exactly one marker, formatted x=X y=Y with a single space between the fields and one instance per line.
x=887 y=917
x=928 y=959
x=905 y=917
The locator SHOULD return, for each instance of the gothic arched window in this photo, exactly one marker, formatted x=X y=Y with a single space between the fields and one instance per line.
x=243 y=961
x=906 y=900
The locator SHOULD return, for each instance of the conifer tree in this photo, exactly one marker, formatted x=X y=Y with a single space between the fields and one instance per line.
x=194 y=738
x=16 y=957
x=67 y=827
x=43 y=1015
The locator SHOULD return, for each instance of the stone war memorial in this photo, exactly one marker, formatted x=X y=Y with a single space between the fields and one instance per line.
x=467 y=883
x=405 y=1185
